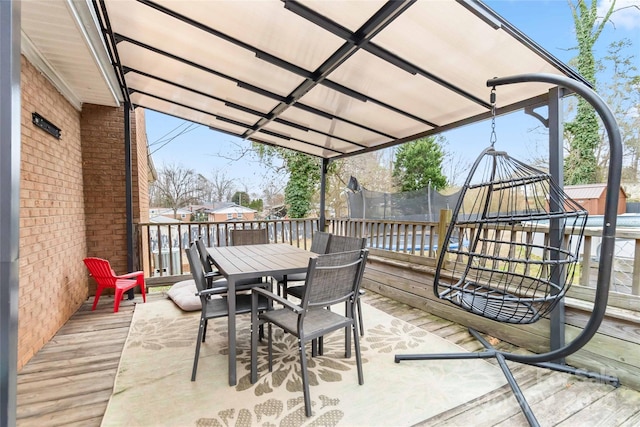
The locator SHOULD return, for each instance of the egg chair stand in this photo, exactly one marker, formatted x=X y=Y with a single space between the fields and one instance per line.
x=504 y=271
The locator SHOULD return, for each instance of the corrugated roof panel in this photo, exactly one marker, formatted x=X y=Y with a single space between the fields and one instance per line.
x=273 y=29
x=360 y=75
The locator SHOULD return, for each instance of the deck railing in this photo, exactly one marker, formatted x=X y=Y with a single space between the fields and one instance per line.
x=421 y=238
x=161 y=245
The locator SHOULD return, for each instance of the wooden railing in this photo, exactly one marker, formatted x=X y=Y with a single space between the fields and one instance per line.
x=161 y=245
x=421 y=238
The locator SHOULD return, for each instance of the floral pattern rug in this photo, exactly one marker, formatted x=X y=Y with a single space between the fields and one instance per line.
x=153 y=385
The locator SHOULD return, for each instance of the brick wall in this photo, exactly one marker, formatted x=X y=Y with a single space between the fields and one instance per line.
x=53 y=279
x=72 y=204
x=141 y=184
x=105 y=181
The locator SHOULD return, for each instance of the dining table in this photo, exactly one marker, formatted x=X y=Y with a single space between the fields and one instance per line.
x=253 y=261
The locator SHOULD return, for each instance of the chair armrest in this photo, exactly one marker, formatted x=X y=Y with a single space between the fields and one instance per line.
x=270 y=295
x=212 y=291
x=133 y=275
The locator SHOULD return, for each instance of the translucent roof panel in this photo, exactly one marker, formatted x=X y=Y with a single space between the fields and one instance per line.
x=327 y=78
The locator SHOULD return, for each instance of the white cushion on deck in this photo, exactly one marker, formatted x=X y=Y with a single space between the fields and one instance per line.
x=184 y=296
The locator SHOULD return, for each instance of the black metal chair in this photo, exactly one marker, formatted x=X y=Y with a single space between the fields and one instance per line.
x=331 y=279
x=214 y=302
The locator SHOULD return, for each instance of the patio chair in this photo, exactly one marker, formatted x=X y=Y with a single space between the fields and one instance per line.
x=100 y=269
x=319 y=245
x=215 y=279
x=335 y=244
x=214 y=302
x=257 y=236
x=331 y=279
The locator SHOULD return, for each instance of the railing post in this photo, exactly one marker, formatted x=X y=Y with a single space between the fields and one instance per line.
x=635 y=278
x=586 y=261
x=443 y=223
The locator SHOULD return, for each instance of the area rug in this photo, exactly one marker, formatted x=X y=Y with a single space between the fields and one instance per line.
x=153 y=386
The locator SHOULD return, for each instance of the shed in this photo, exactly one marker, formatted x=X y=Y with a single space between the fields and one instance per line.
x=592 y=197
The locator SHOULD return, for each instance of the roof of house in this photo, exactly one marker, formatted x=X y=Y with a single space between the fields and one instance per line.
x=232 y=208
x=587 y=191
x=163 y=219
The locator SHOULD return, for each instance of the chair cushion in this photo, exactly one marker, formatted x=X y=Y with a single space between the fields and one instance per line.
x=183 y=294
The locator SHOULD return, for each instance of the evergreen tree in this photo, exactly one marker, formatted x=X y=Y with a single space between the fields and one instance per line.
x=419 y=165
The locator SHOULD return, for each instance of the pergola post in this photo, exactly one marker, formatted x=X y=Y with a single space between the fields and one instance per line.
x=129 y=189
x=10 y=207
x=556 y=129
x=323 y=188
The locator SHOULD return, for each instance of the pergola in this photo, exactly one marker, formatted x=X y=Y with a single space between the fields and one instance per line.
x=327 y=78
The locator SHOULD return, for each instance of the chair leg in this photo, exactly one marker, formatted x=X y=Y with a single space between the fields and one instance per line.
x=96 y=298
x=360 y=324
x=270 y=344
x=201 y=329
x=204 y=331
x=305 y=378
x=143 y=292
x=356 y=343
x=254 y=346
x=116 y=304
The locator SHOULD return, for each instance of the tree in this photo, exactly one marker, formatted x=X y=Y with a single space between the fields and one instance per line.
x=241 y=198
x=304 y=176
x=257 y=204
x=419 y=164
x=176 y=187
x=580 y=164
x=221 y=187
x=622 y=94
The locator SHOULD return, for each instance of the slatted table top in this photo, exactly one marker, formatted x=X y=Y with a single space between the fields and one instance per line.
x=260 y=260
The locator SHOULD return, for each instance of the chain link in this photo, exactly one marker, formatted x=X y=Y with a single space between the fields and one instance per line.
x=493 y=137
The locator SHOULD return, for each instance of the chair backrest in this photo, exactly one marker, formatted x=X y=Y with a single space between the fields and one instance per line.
x=320 y=242
x=196 y=267
x=101 y=271
x=345 y=243
x=334 y=278
x=205 y=258
x=249 y=237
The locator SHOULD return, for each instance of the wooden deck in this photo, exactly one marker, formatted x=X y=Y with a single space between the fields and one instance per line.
x=69 y=382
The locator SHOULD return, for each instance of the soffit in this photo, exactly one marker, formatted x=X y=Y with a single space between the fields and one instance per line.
x=63 y=40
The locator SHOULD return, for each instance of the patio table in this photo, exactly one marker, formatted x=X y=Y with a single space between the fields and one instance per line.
x=251 y=261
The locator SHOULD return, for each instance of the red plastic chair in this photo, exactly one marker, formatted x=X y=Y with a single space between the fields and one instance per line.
x=105 y=277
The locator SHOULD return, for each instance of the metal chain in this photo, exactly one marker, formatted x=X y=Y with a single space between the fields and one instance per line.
x=493 y=137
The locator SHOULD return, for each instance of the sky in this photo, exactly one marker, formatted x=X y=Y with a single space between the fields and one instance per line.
x=547 y=22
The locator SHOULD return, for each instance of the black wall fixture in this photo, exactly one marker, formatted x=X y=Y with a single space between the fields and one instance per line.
x=46 y=125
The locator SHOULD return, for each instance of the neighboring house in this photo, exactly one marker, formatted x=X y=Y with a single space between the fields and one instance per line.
x=592 y=197
x=231 y=212
x=182 y=214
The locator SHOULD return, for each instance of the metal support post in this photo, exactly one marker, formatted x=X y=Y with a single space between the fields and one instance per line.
x=10 y=207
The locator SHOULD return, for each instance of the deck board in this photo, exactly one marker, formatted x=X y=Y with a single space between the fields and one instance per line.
x=69 y=382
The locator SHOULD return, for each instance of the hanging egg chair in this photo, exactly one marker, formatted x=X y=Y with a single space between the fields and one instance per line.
x=522 y=235
x=512 y=246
